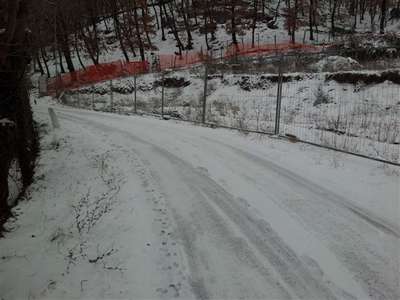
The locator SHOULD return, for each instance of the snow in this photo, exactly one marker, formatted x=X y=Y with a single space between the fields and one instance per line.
x=135 y=207
x=14 y=177
x=5 y=122
x=336 y=63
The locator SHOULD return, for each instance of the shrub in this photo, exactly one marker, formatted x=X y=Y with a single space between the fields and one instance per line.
x=321 y=97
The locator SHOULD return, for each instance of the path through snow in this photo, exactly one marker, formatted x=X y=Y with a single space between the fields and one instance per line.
x=135 y=207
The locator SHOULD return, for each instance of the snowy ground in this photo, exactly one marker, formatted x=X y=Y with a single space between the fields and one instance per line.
x=140 y=208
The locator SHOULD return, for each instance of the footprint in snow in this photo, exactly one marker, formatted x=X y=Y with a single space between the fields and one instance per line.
x=202 y=170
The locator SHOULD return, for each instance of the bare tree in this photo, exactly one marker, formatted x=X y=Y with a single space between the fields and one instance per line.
x=18 y=140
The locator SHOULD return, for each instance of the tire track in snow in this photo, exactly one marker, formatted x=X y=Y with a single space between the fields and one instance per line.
x=258 y=238
x=345 y=232
x=171 y=260
x=171 y=257
x=369 y=217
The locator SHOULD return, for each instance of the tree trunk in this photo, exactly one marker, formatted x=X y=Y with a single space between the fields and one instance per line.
x=310 y=19
x=43 y=54
x=60 y=60
x=335 y=2
x=233 y=24
x=89 y=48
x=117 y=28
x=156 y=15
x=254 y=25
x=18 y=141
x=39 y=64
x=189 y=44
x=7 y=147
x=171 y=23
x=383 y=16
x=162 y=22
x=206 y=33
x=78 y=52
x=146 y=31
x=67 y=54
x=137 y=30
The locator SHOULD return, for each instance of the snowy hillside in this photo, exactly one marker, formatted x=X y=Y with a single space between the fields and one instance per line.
x=109 y=48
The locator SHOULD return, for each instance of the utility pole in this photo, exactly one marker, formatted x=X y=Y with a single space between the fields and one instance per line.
x=279 y=98
x=203 y=117
x=111 y=96
x=162 y=93
x=135 y=95
x=55 y=47
x=93 y=106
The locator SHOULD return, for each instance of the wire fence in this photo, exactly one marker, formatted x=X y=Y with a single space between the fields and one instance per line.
x=354 y=117
x=117 y=69
x=358 y=119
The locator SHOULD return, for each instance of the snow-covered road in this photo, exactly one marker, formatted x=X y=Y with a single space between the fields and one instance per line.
x=208 y=213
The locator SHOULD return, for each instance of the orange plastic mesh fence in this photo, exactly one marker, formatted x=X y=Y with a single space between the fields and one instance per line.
x=249 y=49
x=172 y=61
x=96 y=73
x=108 y=71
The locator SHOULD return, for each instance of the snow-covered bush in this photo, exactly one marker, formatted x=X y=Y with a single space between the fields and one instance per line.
x=14 y=182
x=321 y=97
x=335 y=64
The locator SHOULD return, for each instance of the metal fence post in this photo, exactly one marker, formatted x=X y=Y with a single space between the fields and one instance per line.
x=203 y=117
x=162 y=93
x=93 y=106
x=279 y=98
x=111 y=96
x=135 y=95
x=79 y=100
x=53 y=117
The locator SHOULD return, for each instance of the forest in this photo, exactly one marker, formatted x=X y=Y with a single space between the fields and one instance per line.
x=75 y=27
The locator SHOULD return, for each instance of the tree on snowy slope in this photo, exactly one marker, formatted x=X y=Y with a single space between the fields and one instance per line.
x=92 y=26
x=88 y=17
x=184 y=11
x=17 y=134
x=312 y=16
x=168 y=15
x=383 y=16
x=255 y=18
x=373 y=8
x=140 y=24
x=206 y=11
x=133 y=25
x=65 y=24
x=290 y=12
x=238 y=17
x=115 y=7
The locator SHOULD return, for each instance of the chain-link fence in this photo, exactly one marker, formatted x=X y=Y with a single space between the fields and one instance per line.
x=356 y=112
x=358 y=118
